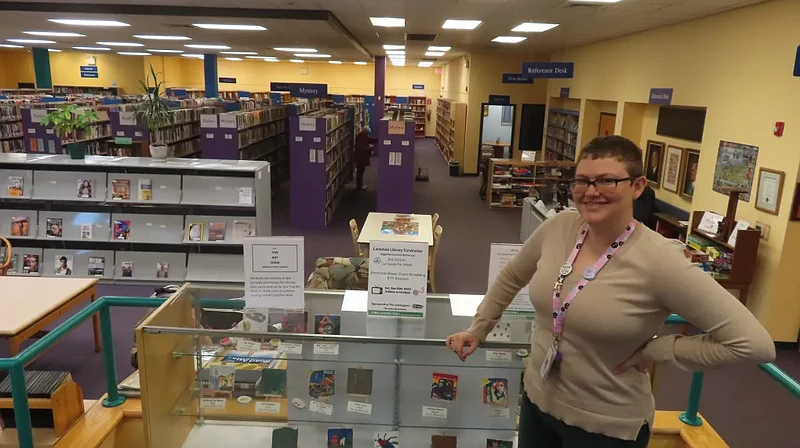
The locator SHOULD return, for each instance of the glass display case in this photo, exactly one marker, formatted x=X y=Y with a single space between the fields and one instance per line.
x=215 y=372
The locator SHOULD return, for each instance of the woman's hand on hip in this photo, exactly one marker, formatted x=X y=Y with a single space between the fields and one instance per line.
x=463 y=344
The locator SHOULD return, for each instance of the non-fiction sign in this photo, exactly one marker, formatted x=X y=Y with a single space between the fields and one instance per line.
x=227 y=80
x=279 y=86
x=418 y=86
x=398 y=279
x=90 y=75
x=499 y=256
x=548 y=69
x=517 y=78
x=564 y=92
x=274 y=272
x=660 y=96
x=88 y=68
x=397 y=127
x=499 y=99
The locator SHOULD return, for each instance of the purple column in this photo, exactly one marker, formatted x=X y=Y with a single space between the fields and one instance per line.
x=395 y=166
x=380 y=87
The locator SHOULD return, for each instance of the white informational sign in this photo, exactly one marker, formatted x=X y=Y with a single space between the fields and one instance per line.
x=397 y=127
x=127 y=118
x=38 y=114
x=434 y=412
x=268 y=407
x=710 y=222
x=245 y=196
x=398 y=279
x=227 y=121
x=274 y=272
x=213 y=403
x=307 y=124
x=391 y=158
x=322 y=348
x=321 y=408
x=741 y=225
x=499 y=256
x=208 y=121
x=320 y=156
x=357 y=407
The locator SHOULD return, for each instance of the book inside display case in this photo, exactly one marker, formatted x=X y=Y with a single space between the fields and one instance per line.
x=511 y=181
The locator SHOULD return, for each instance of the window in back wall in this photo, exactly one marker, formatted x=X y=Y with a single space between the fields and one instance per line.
x=686 y=123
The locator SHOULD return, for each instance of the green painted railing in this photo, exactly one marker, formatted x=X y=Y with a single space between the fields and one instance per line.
x=16 y=365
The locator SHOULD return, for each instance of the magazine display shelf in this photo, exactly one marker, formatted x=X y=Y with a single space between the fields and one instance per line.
x=136 y=232
x=403 y=355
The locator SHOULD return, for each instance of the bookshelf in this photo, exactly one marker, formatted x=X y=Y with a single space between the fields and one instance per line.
x=419 y=107
x=86 y=90
x=396 y=167
x=245 y=135
x=42 y=139
x=11 y=138
x=562 y=134
x=511 y=181
x=451 y=129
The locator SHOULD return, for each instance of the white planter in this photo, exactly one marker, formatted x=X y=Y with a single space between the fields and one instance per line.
x=159 y=153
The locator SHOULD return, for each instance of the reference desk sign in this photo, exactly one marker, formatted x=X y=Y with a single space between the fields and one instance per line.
x=274 y=272
x=499 y=256
x=398 y=279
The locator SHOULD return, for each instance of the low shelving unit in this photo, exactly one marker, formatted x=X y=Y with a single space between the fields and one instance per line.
x=451 y=129
x=511 y=181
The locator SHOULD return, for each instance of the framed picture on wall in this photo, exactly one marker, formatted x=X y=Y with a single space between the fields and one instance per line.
x=736 y=168
x=672 y=169
x=691 y=160
x=654 y=159
x=770 y=189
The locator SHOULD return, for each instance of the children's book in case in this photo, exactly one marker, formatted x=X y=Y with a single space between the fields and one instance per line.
x=121 y=189
x=16 y=186
x=97 y=266
x=54 y=227
x=63 y=264
x=127 y=269
x=122 y=229
x=20 y=226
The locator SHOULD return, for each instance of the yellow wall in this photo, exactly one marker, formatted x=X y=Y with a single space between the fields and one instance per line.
x=455 y=81
x=124 y=71
x=746 y=85
x=16 y=66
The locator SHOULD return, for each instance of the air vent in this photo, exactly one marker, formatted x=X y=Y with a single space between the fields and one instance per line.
x=420 y=37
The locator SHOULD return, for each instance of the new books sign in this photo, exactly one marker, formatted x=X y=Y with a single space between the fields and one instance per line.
x=517 y=78
x=301 y=90
x=548 y=69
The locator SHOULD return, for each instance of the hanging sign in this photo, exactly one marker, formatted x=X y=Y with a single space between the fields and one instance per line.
x=418 y=86
x=517 y=78
x=279 y=86
x=398 y=279
x=660 y=96
x=273 y=269
x=499 y=99
x=564 y=92
x=227 y=80
x=499 y=256
x=89 y=71
x=548 y=69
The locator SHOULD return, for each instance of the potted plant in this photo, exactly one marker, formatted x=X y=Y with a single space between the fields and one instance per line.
x=66 y=121
x=153 y=112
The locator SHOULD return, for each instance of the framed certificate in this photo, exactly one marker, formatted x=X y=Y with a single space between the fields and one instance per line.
x=770 y=188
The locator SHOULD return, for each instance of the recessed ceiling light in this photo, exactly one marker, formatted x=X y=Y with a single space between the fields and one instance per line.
x=164 y=51
x=82 y=22
x=193 y=55
x=208 y=47
x=160 y=37
x=233 y=59
x=226 y=26
x=296 y=50
x=296 y=61
x=509 y=39
x=399 y=63
x=334 y=62
x=133 y=53
x=360 y=63
x=271 y=60
x=31 y=41
x=392 y=22
x=434 y=54
x=53 y=34
x=312 y=55
x=121 y=44
x=54 y=50
x=258 y=57
x=533 y=27
x=10 y=46
x=92 y=48
x=395 y=52
x=453 y=24
x=238 y=53
x=425 y=63
x=394 y=47
x=434 y=48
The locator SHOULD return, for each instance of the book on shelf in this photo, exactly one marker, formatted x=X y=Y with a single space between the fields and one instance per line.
x=30 y=264
x=127 y=269
x=216 y=231
x=242 y=229
x=121 y=189
x=86 y=231
x=55 y=227
x=97 y=266
x=122 y=229
x=16 y=186
x=20 y=226
x=145 y=190
x=85 y=188
x=63 y=264
x=195 y=231
x=162 y=269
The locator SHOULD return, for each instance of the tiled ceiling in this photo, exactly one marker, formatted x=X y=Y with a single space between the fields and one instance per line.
x=578 y=25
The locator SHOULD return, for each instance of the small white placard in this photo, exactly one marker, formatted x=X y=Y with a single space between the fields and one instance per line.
x=321 y=408
x=359 y=408
x=317 y=140
x=227 y=121
x=398 y=158
x=49 y=131
x=209 y=135
x=320 y=156
x=149 y=224
x=53 y=182
x=499 y=413
x=38 y=114
x=273 y=272
x=213 y=403
x=228 y=137
x=120 y=133
x=245 y=345
x=709 y=222
x=31 y=131
x=387 y=143
x=245 y=196
x=322 y=348
x=162 y=226
x=137 y=134
x=307 y=124
x=268 y=407
x=163 y=187
x=127 y=118
x=291 y=348
x=433 y=412
x=312 y=156
x=208 y=121
x=405 y=143
x=298 y=139
x=498 y=355
x=391 y=159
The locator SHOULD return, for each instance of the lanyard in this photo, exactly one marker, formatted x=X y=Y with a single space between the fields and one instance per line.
x=559 y=309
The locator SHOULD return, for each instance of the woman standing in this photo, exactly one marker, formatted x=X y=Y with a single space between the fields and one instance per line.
x=602 y=285
x=363 y=151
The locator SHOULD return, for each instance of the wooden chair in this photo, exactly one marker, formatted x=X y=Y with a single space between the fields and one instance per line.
x=437 y=236
x=434 y=220
x=5 y=256
x=354 y=233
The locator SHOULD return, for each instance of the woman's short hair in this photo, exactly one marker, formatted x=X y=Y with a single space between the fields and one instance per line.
x=366 y=129
x=617 y=147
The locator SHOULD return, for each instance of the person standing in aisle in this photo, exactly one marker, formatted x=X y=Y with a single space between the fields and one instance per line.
x=602 y=285
x=362 y=154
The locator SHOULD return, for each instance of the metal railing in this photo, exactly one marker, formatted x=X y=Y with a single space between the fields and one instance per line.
x=16 y=365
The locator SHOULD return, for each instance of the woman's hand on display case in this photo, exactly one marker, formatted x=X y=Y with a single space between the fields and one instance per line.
x=463 y=344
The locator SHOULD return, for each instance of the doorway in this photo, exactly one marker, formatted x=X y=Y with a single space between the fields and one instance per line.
x=497 y=130
x=607 y=124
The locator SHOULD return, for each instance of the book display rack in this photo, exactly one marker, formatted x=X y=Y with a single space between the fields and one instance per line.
x=451 y=129
x=511 y=181
x=10 y=127
x=396 y=168
x=562 y=134
x=130 y=218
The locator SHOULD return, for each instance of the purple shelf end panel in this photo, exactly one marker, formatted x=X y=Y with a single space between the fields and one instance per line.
x=307 y=172
x=39 y=139
x=395 y=166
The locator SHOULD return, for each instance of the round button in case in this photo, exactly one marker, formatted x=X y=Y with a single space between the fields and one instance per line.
x=244 y=399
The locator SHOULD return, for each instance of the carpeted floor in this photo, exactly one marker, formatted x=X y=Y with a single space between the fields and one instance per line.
x=746 y=407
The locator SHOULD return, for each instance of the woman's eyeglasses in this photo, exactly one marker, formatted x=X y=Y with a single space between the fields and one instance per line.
x=603 y=185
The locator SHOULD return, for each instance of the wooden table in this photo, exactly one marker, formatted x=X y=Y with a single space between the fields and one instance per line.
x=29 y=304
x=374 y=223
x=499 y=148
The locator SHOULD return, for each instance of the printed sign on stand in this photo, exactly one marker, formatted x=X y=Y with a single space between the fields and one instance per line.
x=398 y=279
x=397 y=127
x=499 y=256
x=274 y=272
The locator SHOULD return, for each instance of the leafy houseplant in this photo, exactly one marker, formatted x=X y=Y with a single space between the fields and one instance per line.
x=154 y=113
x=66 y=121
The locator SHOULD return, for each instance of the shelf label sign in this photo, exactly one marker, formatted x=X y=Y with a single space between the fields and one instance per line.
x=307 y=124
x=227 y=121
x=517 y=78
x=274 y=272
x=397 y=127
x=127 y=118
x=398 y=278
x=208 y=121
x=279 y=86
x=499 y=99
x=499 y=256
x=660 y=96
x=300 y=89
x=564 y=92
x=548 y=69
x=37 y=115
x=418 y=86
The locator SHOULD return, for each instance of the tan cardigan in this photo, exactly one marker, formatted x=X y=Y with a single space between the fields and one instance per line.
x=614 y=315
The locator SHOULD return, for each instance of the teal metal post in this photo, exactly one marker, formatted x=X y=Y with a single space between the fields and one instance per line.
x=22 y=413
x=41 y=68
x=107 y=337
x=690 y=417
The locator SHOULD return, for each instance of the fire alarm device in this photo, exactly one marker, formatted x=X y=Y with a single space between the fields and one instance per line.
x=778 y=130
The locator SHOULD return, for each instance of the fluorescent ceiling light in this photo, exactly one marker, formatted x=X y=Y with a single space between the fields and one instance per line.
x=334 y=62
x=160 y=37
x=151 y=50
x=133 y=53
x=53 y=34
x=10 y=46
x=208 y=47
x=533 y=27
x=395 y=52
x=453 y=24
x=192 y=55
x=434 y=54
x=227 y=26
x=392 y=22
x=54 y=50
x=238 y=53
x=296 y=50
x=31 y=41
x=509 y=39
x=121 y=44
x=399 y=63
x=233 y=59
x=82 y=22
x=271 y=60
x=296 y=61
x=92 y=48
x=360 y=63
x=394 y=47
x=256 y=57
x=312 y=55
x=425 y=63
x=434 y=48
